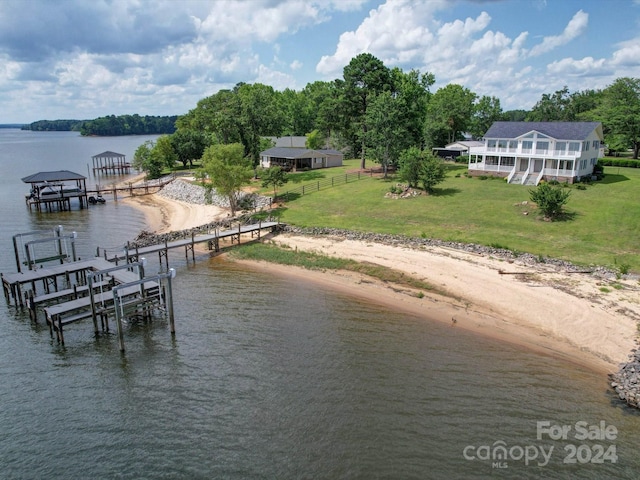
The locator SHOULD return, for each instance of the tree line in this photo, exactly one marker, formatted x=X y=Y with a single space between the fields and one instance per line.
x=110 y=125
x=377 y=112
x=373 y=113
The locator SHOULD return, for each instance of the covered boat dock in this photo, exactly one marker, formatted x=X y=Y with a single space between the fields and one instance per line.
x=54 y=190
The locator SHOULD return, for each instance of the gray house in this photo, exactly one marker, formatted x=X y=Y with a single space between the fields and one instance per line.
x=294 y=159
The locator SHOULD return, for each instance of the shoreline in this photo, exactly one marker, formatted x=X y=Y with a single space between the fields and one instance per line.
x=539 y=307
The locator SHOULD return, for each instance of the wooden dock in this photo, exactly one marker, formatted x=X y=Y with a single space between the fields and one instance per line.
x=102 y=288
x=133 y=253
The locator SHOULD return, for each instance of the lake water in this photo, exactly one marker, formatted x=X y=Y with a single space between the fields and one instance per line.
x=271 y=378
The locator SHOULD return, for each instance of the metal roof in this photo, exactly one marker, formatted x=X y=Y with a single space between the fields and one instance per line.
x=108 y=154
x=57 y=176
x=292 y=152
x=289 y=152
x=556 y=130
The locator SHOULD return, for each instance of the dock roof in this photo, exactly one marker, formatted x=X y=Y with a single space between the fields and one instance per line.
x=57 y=176
x=108 y=154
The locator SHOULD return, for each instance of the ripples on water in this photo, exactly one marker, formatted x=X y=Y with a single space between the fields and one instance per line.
x=271 y=377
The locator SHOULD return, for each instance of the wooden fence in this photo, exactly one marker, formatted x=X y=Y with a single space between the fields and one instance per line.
x=324 y=184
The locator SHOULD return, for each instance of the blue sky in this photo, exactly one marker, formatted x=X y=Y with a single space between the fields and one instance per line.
x=81 y=59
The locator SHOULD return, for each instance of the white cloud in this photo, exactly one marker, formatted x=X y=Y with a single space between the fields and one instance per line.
x=576 y=26
x=295 y=65
x=628 y=53
x=396 y=30
x=585 y=66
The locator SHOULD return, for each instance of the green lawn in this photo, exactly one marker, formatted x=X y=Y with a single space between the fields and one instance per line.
x=603 y=227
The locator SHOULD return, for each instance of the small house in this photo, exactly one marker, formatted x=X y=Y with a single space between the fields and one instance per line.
x=295 y=159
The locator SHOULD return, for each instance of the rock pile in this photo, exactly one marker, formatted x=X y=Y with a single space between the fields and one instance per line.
x=189 y=192
x=626 y=382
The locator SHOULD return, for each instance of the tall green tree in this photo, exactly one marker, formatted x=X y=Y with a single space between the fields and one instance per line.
x=620 y=112
x=189 y=145
x=486 y=111
x=260 y=115
x=315 y=140
x=364 y=77
x=387 y=133
x=325 y=101
x=148 y=159
x=164 y=149
x=228 y=170
x=449 y=114
x=217 y=115
x=411 y=91
x=299 y=112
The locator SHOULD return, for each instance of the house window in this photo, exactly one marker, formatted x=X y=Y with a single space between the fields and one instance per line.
x=513 y=145
x=527 y=146
x=596 y=144
x=574 y=147
x=561 y=147
x=508 y=161
x=502 y=145
x=551 y=163
x=491 y=160
x=491 y=145
x=586 y=146
x=542 y=147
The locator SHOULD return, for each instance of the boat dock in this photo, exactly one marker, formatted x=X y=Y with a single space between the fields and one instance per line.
x=133 y=253
x=106 y=286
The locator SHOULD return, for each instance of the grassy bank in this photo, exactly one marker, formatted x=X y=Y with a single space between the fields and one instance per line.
x=602 y=226
x=286 y=256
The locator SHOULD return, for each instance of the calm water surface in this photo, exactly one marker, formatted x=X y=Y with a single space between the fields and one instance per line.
x=271 y=378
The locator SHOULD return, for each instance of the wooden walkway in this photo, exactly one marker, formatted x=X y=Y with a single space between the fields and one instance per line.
x=134 y=253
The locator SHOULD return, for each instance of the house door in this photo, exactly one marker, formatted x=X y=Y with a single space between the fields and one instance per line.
x=524 y=164
x=537 y=165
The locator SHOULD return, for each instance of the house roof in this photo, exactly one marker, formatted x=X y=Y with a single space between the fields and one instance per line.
x=330 y=151
x=288 y=152
x=291 y=141
x=108 y=154
x=57 y=176
x=557 y=130
x=463 y=145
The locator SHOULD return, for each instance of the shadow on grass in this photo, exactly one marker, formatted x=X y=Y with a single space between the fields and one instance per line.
x=562 y=217
x=613 y=178
x=444 y=192
x=288 y=196
x=305 y=176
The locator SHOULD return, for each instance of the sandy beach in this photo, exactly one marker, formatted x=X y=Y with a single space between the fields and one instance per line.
x=574 y=316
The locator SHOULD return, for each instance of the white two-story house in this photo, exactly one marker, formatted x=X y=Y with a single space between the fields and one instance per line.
x=527 y=152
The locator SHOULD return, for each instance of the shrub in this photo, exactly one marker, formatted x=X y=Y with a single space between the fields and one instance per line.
x=549 y=199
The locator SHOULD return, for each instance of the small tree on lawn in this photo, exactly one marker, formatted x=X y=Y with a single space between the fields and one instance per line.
x=550 y=200
x=432 y=172
x=420 y=167
x=410 y=166
x=228 y=169
x=274 y=177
